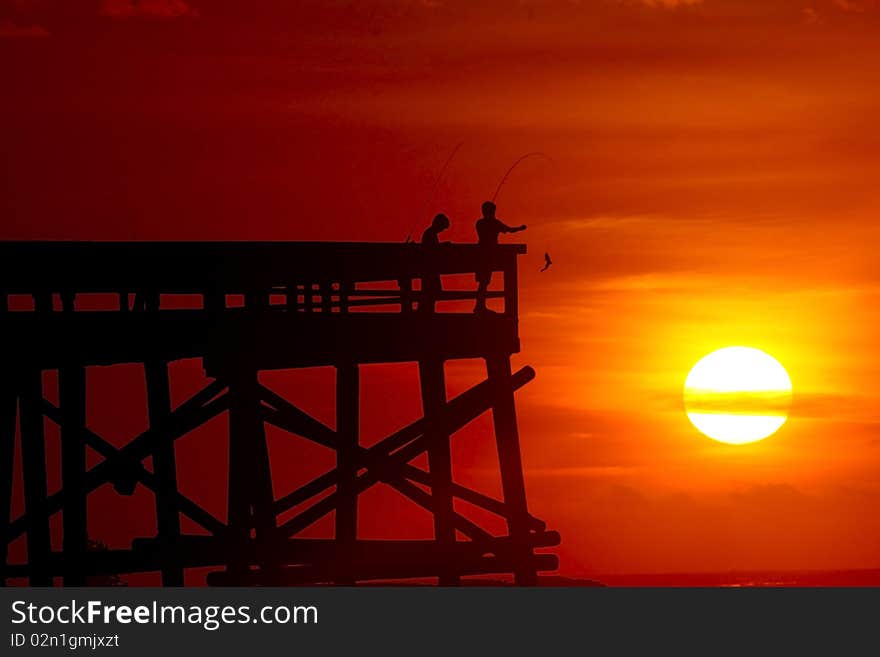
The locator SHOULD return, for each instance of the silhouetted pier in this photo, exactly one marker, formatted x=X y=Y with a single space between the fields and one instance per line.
x=245 y=307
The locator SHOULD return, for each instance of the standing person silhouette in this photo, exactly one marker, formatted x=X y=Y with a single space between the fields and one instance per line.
x=488 y=230
x=431 y=284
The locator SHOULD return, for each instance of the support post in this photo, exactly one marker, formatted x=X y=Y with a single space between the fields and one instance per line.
x=238 y=492
x=214 y=300
x=510 y=463
x=293 y=304
x=345 y=290
x=247 y=423
x=256 y=299
x=433 y=387
x=72 y=397
x=251 y=498
x=511 y=287
x=347 y=429
x=8 y=405
x=165 y=469
x=33 y=458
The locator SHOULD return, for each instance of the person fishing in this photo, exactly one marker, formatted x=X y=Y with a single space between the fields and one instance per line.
x=432 y=286
x=488 y=229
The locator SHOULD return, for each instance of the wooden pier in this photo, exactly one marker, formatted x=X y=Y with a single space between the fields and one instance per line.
x=243 y=308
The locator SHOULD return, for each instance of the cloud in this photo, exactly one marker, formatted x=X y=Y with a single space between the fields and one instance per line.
x=670 y=4
x=147 y=9
x=10 y=30
x=849 y=5
x=769 y=402
x=811 y=16
x=833 y=407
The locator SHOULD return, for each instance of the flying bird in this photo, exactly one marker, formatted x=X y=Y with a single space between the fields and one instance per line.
x=547 y=262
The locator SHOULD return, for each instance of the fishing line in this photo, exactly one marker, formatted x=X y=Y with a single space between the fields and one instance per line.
x=516 y=164
x=434 y=188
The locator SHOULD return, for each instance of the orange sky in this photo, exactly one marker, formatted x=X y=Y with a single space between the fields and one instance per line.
x=714 y=184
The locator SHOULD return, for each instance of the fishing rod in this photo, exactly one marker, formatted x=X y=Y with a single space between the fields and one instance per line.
x=547 y=260
x=516 y=164
x=433 y=190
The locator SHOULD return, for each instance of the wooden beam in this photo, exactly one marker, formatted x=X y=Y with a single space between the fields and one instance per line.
x=457 y=413
x=185 y=505
x=364 y=481
x=199 y=551
x=384 y=568
x=190 y=267
x=182 y=420
x=393 y=469
x=207 y=551
x=469 y=495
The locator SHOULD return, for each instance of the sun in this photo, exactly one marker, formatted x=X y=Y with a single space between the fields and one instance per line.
x=737 y=395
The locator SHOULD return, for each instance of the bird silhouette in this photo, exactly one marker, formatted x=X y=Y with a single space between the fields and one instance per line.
x=547 y=262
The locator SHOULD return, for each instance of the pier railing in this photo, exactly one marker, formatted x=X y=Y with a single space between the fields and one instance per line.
x=305 y=277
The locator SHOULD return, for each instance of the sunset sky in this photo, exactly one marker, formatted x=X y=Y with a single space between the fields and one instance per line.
x=714 y=183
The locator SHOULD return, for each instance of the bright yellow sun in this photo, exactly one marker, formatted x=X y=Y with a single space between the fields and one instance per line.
x=737 y=395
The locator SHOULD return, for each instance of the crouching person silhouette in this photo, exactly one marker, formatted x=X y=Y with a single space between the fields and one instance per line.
x=432 y=287
x=488 y=230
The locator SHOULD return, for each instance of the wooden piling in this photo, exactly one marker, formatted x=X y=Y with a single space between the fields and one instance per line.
x=246 y=423
x=433 y=387
x=72 y=397
x=8 y=404
x=344 y=317
x=238 y=516
x=347 y=429
x=33 y=458
x=510 y=461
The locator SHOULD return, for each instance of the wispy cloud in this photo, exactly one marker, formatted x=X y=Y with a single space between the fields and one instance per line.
x=849 y=5
x=10 y=30
x=770 y=402
x=147 y=9
x=670 y=4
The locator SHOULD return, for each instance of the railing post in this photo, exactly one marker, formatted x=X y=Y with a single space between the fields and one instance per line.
x=43 y=302
x=406 y=294
x=293 y=297
x=214 y=300
x=326 y=297
x=511 y=295
x=345 y=289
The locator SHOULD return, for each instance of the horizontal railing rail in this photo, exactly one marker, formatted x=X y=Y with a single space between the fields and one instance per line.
x=329 y=277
